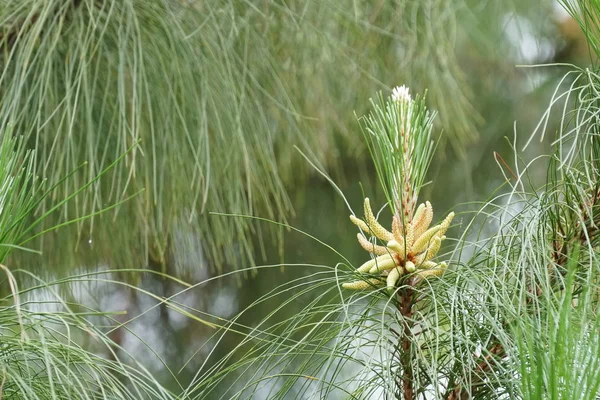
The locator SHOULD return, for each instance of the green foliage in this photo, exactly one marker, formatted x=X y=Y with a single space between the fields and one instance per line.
x=399 y=137
x=20 y=193
x=514 y=315
x=558 y=346
x=219 y=93
x=586 y=13
x=53 y=348
x=86 y=80
x=50 y=345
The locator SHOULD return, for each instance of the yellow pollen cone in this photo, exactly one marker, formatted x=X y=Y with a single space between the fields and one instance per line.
x=366 y=267
x=446 y=224
x=371 y=247
x=427 y=265
x=374 y=226
x=393 y=277
x=423 y=223
x=360 y=223
x=425 y=239
x=361 y=285
x=433 y=248
x=419 y=213
x=398 y=248
x=409 y=247
x=438 y=271
x=384 y=265
x=410 y=236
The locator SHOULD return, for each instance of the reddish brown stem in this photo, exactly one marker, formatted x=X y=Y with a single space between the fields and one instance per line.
x=405 y=307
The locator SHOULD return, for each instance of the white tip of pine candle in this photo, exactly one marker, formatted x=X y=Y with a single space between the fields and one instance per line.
x=401 y=94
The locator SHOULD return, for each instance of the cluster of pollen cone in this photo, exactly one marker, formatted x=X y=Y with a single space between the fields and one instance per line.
x=410 y=247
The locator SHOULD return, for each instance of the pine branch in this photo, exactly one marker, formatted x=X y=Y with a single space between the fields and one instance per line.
x=405 y=308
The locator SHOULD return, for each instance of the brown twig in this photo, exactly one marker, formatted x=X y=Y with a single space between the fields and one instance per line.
x=405 y=307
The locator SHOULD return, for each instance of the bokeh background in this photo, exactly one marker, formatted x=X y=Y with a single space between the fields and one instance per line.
x=219 y=100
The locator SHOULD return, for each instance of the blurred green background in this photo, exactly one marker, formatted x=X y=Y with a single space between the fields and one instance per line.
x=218 y=98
